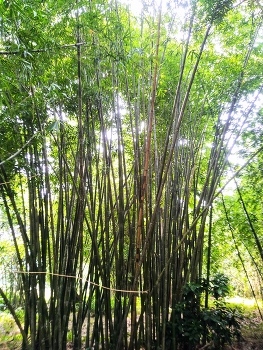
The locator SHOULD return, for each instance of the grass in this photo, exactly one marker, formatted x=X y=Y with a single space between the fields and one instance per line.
x=10 y=337
x=247 y=307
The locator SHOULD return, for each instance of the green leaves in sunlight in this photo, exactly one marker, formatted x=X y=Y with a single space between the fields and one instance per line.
x=216 y=10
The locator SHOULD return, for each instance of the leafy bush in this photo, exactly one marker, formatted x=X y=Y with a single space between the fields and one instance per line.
x=220 y=286
x=221 y=325
x=194 y=324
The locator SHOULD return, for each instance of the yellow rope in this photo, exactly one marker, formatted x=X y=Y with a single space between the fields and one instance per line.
x=80 y=278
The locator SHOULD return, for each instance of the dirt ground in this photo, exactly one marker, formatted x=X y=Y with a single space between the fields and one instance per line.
x=252 y=333
x=248 y=344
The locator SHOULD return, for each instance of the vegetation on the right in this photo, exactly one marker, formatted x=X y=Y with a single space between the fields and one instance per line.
x=195 y=324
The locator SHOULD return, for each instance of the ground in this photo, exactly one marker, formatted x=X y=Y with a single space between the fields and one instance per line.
x=252 y=333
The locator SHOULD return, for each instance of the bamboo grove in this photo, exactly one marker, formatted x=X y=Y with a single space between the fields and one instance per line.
x=116 y=131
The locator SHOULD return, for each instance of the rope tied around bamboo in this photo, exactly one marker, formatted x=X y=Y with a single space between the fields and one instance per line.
x=83 y=279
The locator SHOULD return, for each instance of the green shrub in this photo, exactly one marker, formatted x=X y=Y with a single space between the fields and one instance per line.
x=220 y=286
x=222 y=325
x=194 y=325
